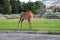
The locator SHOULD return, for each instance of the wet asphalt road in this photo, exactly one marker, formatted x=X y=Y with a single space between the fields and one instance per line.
x=24 y=36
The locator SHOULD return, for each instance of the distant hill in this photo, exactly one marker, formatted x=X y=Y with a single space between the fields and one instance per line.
x=57 y=2
x=51 y=2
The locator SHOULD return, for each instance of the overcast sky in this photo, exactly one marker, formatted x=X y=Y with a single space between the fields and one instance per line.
x=37 y=0
x=46 y=2
x=28 y=0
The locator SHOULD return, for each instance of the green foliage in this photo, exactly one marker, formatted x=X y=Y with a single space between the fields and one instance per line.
x=1 y=9
x=12 y=16
x=15 y=6
x=34 y=6
x=31 y=6
x=19 y=6
x=6 y=6
x=1 y=2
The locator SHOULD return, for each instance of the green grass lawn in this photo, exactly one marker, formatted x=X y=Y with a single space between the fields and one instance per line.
x=36 y=25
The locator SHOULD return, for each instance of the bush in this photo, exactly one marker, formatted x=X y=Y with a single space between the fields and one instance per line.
x=12 y=16
x=2 y=16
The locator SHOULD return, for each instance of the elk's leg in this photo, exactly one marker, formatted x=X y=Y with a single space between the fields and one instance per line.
x=21 y=22
x=30 y=23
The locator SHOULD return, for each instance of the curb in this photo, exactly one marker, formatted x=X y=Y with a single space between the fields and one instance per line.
x=20 y=31
x=30 y=32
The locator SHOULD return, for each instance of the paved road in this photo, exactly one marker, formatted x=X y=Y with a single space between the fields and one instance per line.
x=23 y=36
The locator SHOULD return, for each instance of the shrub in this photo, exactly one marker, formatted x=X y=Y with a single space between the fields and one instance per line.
x=12 y=16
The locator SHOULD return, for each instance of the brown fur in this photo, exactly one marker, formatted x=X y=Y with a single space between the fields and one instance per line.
x=26 y=14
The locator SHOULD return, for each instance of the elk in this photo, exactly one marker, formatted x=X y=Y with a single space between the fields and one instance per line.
x=28 y=15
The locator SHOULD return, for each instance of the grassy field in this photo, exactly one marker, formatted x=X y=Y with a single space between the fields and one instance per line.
x=38 y=24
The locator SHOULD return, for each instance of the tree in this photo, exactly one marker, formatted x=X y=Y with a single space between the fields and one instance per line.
x=1 y=8
x=34 y=7
x=1 y=2
x=31 y=6
x=6 y=6
x=40 y=8
x=16 y=6
x=19 y=6
x=13 y=6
